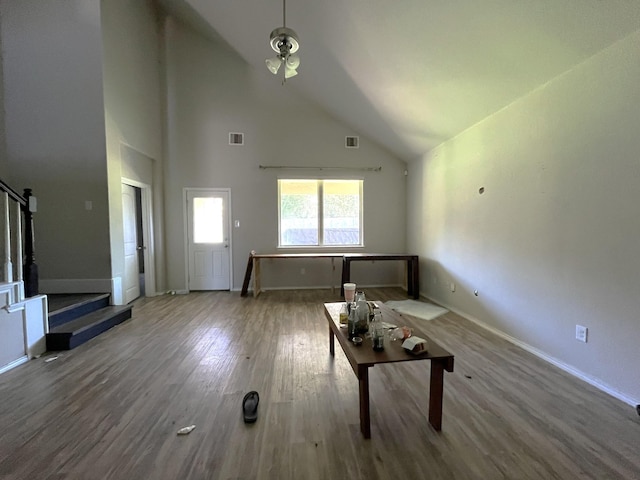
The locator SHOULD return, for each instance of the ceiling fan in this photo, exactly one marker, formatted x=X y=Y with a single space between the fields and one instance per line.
x=285 y=43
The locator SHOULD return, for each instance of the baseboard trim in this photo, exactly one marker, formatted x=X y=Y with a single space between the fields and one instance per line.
x=543 y=355
x=321 y=287
x=14 y=364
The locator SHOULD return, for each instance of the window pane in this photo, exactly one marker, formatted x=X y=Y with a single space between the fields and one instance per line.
x=208 y=220
x=342 y=212
x=298 y=212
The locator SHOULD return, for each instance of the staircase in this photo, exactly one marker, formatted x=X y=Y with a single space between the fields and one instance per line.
x=76 y=319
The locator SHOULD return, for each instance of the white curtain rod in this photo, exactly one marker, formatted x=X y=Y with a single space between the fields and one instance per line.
x=294 y=167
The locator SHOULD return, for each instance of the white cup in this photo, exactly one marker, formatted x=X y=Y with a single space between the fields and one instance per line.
x=349 y=292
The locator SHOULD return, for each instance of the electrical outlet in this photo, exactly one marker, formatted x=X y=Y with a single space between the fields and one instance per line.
x=453 y=287
x=581 y=333
x=302 y=271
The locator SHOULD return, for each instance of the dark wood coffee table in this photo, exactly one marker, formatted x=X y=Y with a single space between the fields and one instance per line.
x=364 y=357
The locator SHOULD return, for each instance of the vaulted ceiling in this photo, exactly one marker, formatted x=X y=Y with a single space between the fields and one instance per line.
x=414 y=73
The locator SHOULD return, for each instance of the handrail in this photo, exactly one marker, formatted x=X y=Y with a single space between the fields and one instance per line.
x=12 y=193
x=27 y=270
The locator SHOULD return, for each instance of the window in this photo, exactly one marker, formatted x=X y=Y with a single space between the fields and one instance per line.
x=208 y=217
x=320 y=212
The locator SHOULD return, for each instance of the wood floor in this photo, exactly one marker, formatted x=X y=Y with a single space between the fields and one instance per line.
x=110 y=409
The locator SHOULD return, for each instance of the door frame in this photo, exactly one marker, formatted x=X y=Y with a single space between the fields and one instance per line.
x=147 y=236
x=185 y=203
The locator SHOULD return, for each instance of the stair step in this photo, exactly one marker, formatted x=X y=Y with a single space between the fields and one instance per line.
x=78 y=331
x=65 y=308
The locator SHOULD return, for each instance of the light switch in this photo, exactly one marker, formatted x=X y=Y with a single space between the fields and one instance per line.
x=88 y=205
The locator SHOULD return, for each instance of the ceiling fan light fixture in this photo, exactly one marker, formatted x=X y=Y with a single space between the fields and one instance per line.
x=273 y=64
x=284 y=41
x=291 y=64
x=293 y=61
x=289 y=72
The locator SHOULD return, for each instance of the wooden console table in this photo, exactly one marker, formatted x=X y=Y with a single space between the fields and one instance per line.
x=254 y=264
x=413 y=273
x=413 y=266
x=364 y=357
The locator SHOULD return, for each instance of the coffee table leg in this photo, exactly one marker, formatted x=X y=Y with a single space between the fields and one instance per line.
x=365 y=420
x=435 y=394
x=332 y=343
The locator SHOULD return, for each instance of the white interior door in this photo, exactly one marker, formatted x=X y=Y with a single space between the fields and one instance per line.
x=208 y=239
x=131 y=278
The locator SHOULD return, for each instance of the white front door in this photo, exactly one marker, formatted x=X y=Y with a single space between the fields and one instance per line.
x=208 y=239
x=131 y=277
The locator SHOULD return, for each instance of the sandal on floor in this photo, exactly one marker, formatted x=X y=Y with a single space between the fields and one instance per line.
x=250 y=406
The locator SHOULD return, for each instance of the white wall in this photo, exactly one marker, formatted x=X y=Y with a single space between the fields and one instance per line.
x=4 y=168
x=211 y=92
x=133 y=116
x=54 y=122
x=553 y=241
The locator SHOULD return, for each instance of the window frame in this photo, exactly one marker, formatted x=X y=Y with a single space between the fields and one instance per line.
x=320 y=203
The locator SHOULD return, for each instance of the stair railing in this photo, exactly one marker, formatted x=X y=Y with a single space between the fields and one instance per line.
x=16 y=226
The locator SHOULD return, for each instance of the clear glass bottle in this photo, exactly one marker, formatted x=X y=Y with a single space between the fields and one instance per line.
x=377 y=330
x=352 y=320
x=344 y=315
x=362 y=313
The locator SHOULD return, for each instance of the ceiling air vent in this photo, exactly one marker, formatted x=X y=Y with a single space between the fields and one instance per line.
x=352 y=142
x=236 y=138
